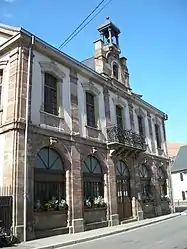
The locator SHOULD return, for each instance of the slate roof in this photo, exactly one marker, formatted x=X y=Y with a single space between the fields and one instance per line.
x=90 y=62
x=180 y=163
x=173 y=148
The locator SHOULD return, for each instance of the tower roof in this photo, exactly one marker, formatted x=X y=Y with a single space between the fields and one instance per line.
x=108 y=24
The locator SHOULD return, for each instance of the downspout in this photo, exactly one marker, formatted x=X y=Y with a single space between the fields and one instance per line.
x=26 y=139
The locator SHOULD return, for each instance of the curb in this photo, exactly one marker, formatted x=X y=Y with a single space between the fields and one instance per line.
x=81 y=240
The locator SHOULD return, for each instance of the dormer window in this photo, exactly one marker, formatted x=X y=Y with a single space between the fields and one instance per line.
x=115 y=71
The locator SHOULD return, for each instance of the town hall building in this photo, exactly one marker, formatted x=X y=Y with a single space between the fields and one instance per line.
x=79 y=149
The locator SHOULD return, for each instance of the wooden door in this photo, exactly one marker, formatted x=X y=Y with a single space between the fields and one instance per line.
x=124 y=199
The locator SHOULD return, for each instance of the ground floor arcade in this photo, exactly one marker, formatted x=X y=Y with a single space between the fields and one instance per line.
x=77 y=185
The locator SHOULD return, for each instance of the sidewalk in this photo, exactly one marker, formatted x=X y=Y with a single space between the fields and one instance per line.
x=70 y=239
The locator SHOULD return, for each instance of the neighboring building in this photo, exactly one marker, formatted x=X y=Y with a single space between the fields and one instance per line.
x=173 y=149
x=89 y=135
x=179 y=175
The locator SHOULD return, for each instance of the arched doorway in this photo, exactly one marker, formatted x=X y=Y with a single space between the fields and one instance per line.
x=123 y=191
x=93 y=178
x=49 y=177
x=95 y=209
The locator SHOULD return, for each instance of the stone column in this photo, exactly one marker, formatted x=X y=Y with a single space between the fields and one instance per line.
x=77 y=196
x=15 y=112
x=112 y=192
x=132 y=185
x=13 y=86
x=156 y=188
x=169 y=185
x=137 y=182
x=74 y=102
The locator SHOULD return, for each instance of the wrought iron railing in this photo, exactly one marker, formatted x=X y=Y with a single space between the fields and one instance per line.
x=126 y=137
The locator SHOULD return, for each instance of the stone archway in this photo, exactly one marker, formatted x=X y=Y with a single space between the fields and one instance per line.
x=50 y=208
x=123 y=191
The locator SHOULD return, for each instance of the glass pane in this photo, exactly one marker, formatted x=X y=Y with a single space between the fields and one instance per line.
x=85 y=168
x=90 y=98
x=39 y=164
x=122 y=169
x=91 y=165
x=54 y=160
x=87 y=165
x=50 y=159
x=43 y=156
x=96 y=168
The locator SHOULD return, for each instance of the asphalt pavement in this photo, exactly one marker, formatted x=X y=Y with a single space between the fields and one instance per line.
x=169 y=234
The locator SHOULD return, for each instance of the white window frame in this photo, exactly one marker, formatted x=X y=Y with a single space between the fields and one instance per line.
x=140 y=113
x=91 y=88
x=118 y=101
x=54 y=70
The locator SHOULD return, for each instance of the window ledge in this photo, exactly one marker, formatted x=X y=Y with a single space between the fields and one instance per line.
x=93 y=128
x=51 y=121
x=50 y=114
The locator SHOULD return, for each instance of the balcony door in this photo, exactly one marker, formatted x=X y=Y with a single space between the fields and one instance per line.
x=123 y=191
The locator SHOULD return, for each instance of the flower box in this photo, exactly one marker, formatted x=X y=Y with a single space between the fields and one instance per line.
x=95 y=214
x=148 y=210
x=50 y=219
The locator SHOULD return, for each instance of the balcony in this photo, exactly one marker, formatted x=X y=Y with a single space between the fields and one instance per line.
x=118 y=137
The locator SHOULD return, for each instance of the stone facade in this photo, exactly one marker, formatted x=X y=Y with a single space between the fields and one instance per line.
x=75 y=141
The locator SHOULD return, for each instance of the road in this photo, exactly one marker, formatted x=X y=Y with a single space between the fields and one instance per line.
x=170 y=234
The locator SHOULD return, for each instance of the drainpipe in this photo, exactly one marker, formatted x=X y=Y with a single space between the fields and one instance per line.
x=26 y=140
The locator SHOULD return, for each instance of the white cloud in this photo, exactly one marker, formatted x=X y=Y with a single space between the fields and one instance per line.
x=9 y=1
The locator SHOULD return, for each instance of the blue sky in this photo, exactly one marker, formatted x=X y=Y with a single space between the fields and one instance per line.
x=153 y=38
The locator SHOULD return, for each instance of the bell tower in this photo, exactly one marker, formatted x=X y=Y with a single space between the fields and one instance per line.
x=107 y=54
x=109 y=33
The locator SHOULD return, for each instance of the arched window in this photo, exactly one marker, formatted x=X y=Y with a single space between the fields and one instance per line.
x=49 y=176
x=145 y=181
x=93 y=178
x=122 y=169
x=162 y=182
x=115 y=71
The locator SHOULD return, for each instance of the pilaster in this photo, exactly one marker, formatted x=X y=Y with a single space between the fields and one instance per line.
x=156 y=188
x=74 y=101
x=112 y=202
x=77 y=197
x=131 y=115
x=107 y=106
